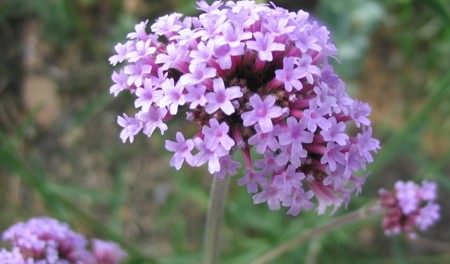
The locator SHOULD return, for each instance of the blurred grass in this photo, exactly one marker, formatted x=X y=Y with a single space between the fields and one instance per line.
x=422 y=40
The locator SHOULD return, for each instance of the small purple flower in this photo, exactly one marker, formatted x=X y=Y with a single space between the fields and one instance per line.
x=333 y=156
x=182 y=149
x=295 y=134
x=140 y=32
x=252 y=178
x=264 y=44
x=289 y=180
x=299 y=200
x=272 y=194
x=227 y=167
x=263 y=140
x=366 y=144
x=153 y=119
x=208 y=155
x=269 y=163
x=173 y=96
x=147 y=95
x=174 y=58
x=360 y=113
x=196 y=96
x=290 y=75
x=120 y=82
x=217 y=134
x=307 y=68
x=315 y=118
x=136 y=73
x=131 y=126
x=203 y=53
x=197 y=73
x=221 y=98
x=122 y=52
x=167 y=24
x=142 y=50
x=335 y=133
x=262 y=113
x=326 y=100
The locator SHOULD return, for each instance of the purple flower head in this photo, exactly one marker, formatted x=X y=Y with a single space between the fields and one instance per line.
x=409 y=206
x=256 y=79
x=107 y=252
x=46 y=240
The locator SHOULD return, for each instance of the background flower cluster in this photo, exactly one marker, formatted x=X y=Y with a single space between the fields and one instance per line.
x=45 y=240
x=410 y=206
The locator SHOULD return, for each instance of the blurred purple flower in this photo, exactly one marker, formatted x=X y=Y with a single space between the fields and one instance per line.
x=107 y=252
x=408 y=206
x=46 y=240
x=11 y=257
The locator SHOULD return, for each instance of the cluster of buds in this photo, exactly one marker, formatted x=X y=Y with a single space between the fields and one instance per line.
x=47 y=241
x=409 y=206
x=253 y=78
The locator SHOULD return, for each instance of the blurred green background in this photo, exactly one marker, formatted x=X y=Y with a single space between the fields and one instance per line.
x=60 y=154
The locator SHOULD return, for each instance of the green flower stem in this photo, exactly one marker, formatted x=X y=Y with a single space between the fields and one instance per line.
x=334 y=224
x=216 y=208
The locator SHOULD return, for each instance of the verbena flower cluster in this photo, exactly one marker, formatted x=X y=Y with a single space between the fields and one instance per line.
x=253 y=78
x=409 y=206
x=47 y=241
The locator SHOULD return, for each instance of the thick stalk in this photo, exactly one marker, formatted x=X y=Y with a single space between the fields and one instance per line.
x=216 y=208
x=334 y=224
